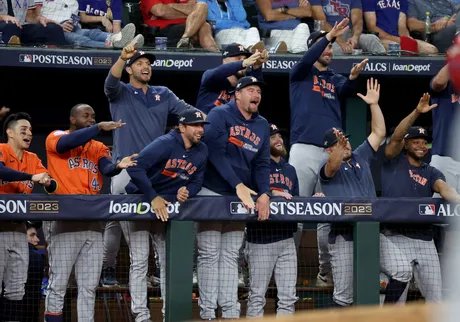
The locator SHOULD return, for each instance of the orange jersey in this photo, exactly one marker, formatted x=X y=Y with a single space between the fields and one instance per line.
x=76 y=171
x=30 y=163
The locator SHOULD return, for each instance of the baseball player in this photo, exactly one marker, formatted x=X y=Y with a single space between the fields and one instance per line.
x=316 y=94
x=348 y=174
x=173 y=164
x=218 y=84
x=77 y=162
x=404 y=174
x=238 y=140
x=443 y=94
x=19 y=171
x=145 y=109
x=270 y=245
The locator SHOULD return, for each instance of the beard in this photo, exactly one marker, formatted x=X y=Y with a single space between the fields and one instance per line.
x=278 y=153
x=323 y=62
x=414 y=156
x=138 y=78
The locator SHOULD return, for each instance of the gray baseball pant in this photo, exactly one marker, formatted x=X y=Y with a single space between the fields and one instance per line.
x=14 y=263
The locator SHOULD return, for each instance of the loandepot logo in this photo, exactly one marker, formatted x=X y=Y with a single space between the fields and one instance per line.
x=140 y=208
x=173 y=63
x=411 y=68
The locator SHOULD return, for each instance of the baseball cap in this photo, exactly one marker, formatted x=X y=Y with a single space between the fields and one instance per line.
x=314 y=36
x=192 y=116
x=235 y=49
x=138 y=55
x=417 y=132
x=274 y=129
x=330 y=138
x=247 y=81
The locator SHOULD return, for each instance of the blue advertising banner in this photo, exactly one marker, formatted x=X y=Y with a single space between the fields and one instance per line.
x=200 y=62
x=132 y=207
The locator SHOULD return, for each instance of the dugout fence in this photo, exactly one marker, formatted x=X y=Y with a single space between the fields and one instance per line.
x=362 y=216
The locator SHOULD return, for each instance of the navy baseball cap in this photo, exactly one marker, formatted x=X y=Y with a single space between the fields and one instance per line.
x=417 y=132
x=274 y=129
x=235 y=49
x=140 y=54
x=330 y=138
x=314 y=36
x=248 y=81
x=192 y=116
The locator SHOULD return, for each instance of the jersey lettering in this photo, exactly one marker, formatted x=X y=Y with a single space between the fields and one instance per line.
x=279 y=178
x=418 y=178
x=28 y=183
x=242 y=131
x=321 y=86
x=384 y=4
x=83 y=163
x=179 y=164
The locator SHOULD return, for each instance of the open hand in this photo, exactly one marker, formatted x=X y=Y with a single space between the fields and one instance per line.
x=285 y=195
x=342 y=141
x=263 y=207
x=127 y=162
x=339 y=29
x=110 y=126
x=424 y=104
x=356 y=70
x=159 y=207
x=244 y=193
x=373 y=92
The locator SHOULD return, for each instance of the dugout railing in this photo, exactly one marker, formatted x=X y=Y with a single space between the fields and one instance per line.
x=365 y=214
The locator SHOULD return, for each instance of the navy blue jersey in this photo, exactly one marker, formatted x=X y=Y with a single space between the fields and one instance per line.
x=239 y=150
x=448 y=103
x=354 y=179
x=283 y=177
x=216 y=90
x=146 y=115
x=402 y=179
x=315 y=97
x=165 y=165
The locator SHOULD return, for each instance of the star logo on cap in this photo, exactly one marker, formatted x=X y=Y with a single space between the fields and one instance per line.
x=225 y=53
x=238 y=86
x=274 y=127
x=358 y=166
x=421 y=130
x=157 y=97
x=253 y=79
x=141 y=52
x=198 y=115
x=241 y=48
x=182 y=119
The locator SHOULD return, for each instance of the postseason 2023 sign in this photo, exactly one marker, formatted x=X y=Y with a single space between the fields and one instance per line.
x=133 y=207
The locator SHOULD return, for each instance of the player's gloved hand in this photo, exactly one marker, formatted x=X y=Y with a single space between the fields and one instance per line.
x=373 y=92
x=263 y=206
x=127 y=162
x=42 y=178
x=285 y=195
x=251 y=60
x=182 y=194
x=244 y=193
x=159 y=207
x=128 y=51
x=338 y=30
x=356 y=70
x=424 y=104
x=110 y=126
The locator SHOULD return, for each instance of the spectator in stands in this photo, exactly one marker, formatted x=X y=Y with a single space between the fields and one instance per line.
x=182 y=21
x=33 y=296
x=231 y=23
x=282 y=19
x=102 y=14
x=23 y=24
x=218 y=84
x=331 y=12
x=389 y=20
x=443 y=21
x=65 y=13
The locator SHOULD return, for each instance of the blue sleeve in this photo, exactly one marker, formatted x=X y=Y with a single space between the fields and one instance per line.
x=356 y=4
x=322 y=174
x=11 y=175
x=108 y=168
x=302 y=69
x=116 y=10
x=262 y=166
x=404 y=6
x=154 y=153
x=369 y=5
x=112 y=87
x=436 y=175
x=195 y=184
x=216 y=137
x=217 y=77
x=346 y=87
x=76 y=139
x=176 y=105
x=365 y=151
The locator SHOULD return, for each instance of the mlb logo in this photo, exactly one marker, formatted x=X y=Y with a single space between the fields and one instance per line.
x=238 y=208
x=23 y=58
x=426 y=210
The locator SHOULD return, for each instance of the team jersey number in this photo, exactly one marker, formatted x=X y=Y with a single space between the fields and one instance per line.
x=95 y=184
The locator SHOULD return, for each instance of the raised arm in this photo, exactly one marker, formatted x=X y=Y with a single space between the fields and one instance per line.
x=378 y=130
x=335 y=159
x=440 y=81
x=396 y=144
